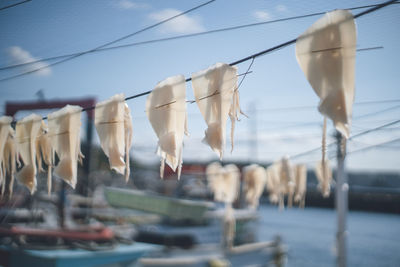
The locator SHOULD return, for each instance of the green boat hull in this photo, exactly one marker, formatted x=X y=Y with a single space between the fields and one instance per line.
x=172 y=208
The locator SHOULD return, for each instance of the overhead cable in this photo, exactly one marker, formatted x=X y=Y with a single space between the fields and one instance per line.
x=190 y=35
x=108 y=43
x=350 y=138
x=13 y=5
x=251 y=57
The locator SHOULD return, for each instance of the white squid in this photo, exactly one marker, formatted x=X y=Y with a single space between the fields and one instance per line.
x=45 y=152
x=281 y=182
x=300 y=171
x=166 y=111
x=27 y=131
x=216 y=94
x=287 y=178
x=255 y=178
x=64 y=131
x=224 y=182
x=114 y=126
x=323 y=172
x=7 y=152
x=215 y=180
x=10 y=159
x=326 y=54
x=273 y=184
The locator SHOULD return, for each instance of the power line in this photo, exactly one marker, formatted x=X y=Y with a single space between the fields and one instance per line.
x=373 y=146
x=108 y=43
x=251 y=57
x=277 y=47
x=350 y=138
x=13 y=5
x=377 y=112
x=374 y=129
x=369 y=48
x=369 y=144
x=188 y=36
x=297 y=108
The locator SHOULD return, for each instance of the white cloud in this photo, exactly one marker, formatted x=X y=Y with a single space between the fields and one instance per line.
x=20 y=56
x=181 y=24
x=127 y=4
x=261 y=15
x=281 y=8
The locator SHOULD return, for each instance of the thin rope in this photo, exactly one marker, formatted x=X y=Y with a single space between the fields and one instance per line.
x=251 y=57
x=108 y=43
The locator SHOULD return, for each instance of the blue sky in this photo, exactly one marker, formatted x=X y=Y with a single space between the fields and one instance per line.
x=45 y=28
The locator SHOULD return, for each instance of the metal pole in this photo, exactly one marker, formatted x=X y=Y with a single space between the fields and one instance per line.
x=341 y=202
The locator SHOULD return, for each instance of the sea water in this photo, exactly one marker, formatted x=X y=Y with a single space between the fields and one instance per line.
x=373 y=238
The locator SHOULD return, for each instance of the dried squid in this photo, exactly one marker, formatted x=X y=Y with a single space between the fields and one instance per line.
x=216 y=94
x=27 y=131
x=166 y=111
x=326 y=54
x=64 y=131
x=301 y=184
x=255 y=178
x=224 y=181
x=45 y=152
x=7 y=153
x=323 y=172
x=114 y=127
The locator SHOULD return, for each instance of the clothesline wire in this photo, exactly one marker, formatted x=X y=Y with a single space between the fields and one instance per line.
x=277 y=47
x=108 y=43
x=245 y=74
x=373 y=146
x=362 y=149
x=13 y=5
x=190 y=35
x=296 y=108
x=309 y=162
x=188 y=172
x=148 y=92
x=377 y=112
x=350 y=138
x=251 y=57
x=384 y=144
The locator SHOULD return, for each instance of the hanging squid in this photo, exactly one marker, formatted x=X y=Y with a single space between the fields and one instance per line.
x=300 y=171
x=166 y=111
x=215 y=180
x=287 y=180
x=231 y=175
x=326 y=54
x=45 y=152
x=114 y=126
x=64 y=131
x=224 y=182
x=323 y=172
x=255 y=178
x=273 y=184
x=7 y=153
x=216 y=94
x=281 y=182
x=27 y=132
x=10 y=159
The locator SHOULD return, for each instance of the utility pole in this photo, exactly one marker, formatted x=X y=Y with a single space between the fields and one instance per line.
x=341 y=202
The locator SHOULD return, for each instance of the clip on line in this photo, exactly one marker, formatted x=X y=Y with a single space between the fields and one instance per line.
x=261 y=53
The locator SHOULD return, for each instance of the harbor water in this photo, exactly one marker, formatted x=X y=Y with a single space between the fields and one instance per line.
x=373 y=238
